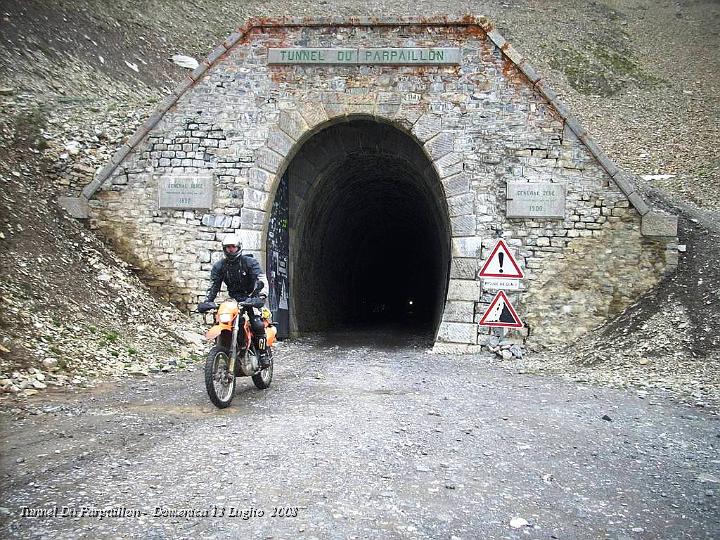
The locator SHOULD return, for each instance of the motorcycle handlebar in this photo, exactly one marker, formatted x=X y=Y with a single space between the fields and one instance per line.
x=256 y=302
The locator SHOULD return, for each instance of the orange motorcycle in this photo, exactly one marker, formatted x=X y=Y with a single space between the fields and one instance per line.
x=234 y=354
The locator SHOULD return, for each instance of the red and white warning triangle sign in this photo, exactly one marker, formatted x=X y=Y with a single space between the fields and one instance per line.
x=501 y=313
x=501 y=263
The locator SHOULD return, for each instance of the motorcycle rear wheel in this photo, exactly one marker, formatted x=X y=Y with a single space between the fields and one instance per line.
x=219 y=382
x=263 y=378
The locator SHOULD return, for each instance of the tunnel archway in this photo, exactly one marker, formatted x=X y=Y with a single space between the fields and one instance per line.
x=369 y=232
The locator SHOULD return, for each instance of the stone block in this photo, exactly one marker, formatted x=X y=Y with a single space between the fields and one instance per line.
x=458 y=184
x=655 y=223
x=456 y=348
x=459 y=311
x=313 y=113
x=440 y=145
x=463 y=225
x=77 y=207
x=452 y=332
x=280 y=142
x=292 y=123
x=268 y=160
x=252 y=219
x=260 y=179
x=464 y=289
x=427 y=126
x=469 y=246
x=251 y=240
x=449 y=165
x=254 y=198
x=463 y=268
x=461 y=205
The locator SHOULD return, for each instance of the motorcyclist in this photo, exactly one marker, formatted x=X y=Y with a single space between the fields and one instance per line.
x=243 y=277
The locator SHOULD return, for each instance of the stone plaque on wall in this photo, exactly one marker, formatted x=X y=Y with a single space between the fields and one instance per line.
x=535 y=200
x=384 y=56
x=193 y=191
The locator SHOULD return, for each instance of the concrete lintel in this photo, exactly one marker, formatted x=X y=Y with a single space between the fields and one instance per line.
x=529 y=71
x=182 y=87
x=575 y=126
x=199 y=71
x=215 y=55
x=138 y=136
x=435 y=20
x=622 y=180
x=167 y=103
x=496 y=38
x=548 y=93
x=153 y=120
x=120 y=154
x=637 y=201
x=77 y=207
x=232 y=40
x=561 y=109
x=659 y=224
x=513 y=54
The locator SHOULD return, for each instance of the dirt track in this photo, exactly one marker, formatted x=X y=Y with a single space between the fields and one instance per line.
x=367 y=443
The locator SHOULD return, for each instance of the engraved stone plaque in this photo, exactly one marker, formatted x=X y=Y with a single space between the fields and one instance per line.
x=186 y=191
x=535 y=199
x=382 y=55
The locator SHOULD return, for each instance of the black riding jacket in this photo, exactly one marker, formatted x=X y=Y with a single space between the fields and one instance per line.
x=240 y=274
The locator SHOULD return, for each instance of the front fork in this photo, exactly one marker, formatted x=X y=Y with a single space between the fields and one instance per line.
x=233 y=346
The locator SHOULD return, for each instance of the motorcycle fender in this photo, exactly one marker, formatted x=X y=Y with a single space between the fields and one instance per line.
x=216 y=330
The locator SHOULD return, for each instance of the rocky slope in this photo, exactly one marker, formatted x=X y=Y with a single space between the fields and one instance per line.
x=79 y=76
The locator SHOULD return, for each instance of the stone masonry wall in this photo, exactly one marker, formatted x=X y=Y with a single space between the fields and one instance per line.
x=481 y=124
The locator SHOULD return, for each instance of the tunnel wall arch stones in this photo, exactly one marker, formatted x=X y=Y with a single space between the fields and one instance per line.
x=488 y=120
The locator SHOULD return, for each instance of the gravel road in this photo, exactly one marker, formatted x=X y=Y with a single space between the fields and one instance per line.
x=361 y=441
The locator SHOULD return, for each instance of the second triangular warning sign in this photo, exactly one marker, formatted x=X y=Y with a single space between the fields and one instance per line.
x=501 y=263
x=501 y=313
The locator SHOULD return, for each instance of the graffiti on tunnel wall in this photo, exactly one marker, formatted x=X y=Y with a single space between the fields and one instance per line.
x=278 y=251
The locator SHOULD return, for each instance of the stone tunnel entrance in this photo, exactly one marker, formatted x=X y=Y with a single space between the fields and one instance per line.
x=369 y=233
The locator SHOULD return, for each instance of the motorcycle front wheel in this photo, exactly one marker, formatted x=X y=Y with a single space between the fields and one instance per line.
x=219 y=382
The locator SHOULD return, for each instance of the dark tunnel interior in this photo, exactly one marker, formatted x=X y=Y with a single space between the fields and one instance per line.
x=369 y=233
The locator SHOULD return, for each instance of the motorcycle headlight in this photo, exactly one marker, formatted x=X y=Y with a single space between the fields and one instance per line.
x=225 y=317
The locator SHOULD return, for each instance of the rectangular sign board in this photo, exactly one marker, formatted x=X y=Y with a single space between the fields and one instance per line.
x=496 y=284
x=180 y=192
x=535 y=200
x=398 y=56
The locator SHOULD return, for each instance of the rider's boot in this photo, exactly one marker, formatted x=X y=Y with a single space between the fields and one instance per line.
x=263 y=352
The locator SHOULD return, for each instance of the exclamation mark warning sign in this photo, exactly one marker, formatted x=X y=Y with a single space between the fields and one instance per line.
x=501 y=263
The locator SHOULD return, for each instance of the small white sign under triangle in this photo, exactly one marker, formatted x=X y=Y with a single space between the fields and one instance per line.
x=501 y=264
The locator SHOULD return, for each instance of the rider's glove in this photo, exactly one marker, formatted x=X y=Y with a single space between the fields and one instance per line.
x=206 y=306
